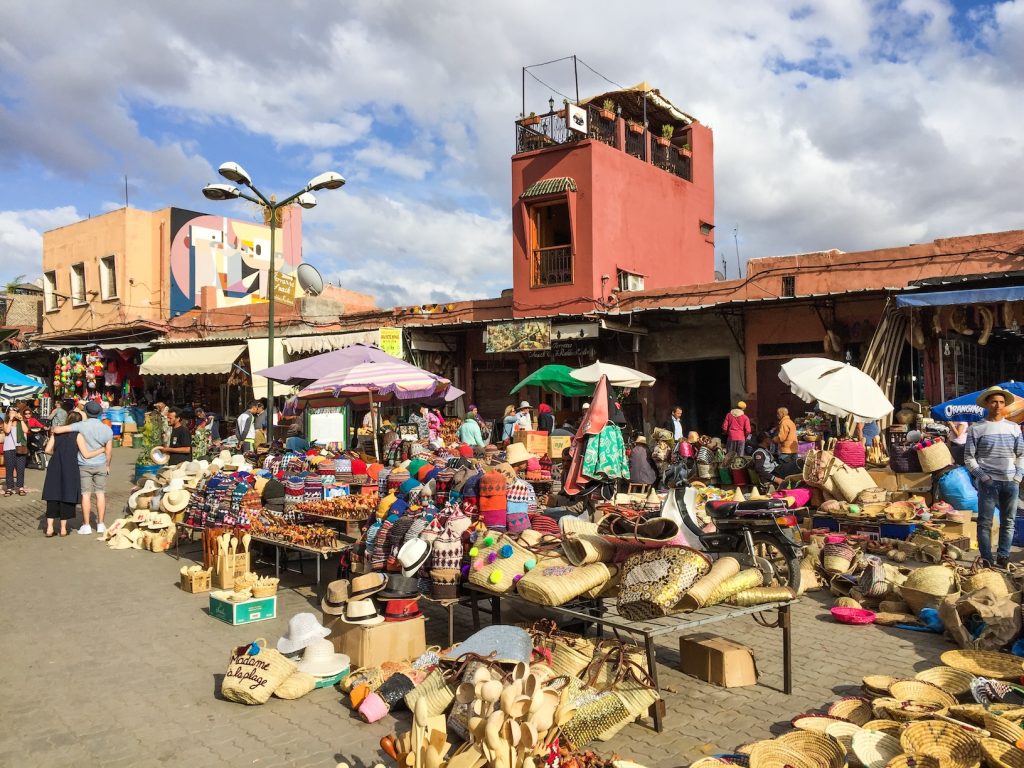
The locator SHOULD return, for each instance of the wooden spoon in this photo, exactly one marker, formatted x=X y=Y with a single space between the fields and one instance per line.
x=491 y=692
x=465 y=693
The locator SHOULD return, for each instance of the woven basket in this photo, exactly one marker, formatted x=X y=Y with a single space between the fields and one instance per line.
x=813 y=722
x=914 y=761
x=772 y=754
x=850 y=452
x=1003 y=729
x=555 y=581
x=838 y=558
x=955 y=682
x=746 y=579
x=988 y=579
x=890 y=619
x=903 y=458
x=705 y=471
x=847 y=602
x=874 y=749
x=852 y=708
x=273 y=667
x=921 y=691
x=761 y=595
x=893 y=606
x=906 y=711
x=824 y=750
x=999 y=754
x=899 y=511
x=844 y=733
x=871 y=496
x=950 y=743
x=878 y=683
x=917 y=600
x=697 y=596
x=890 y=727
x=586 y=548
x=934 y=457
x=935 y=580
x=1001 y=666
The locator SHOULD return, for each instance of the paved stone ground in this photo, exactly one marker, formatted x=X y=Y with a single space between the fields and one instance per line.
x=105 y=662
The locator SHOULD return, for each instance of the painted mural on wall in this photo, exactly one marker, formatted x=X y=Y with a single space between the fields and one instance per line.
x=229 y=254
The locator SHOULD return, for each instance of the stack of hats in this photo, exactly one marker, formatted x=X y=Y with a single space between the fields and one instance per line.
x=313 y=488
x=493 y=500
x=520 y=495
x=396 y=477
x=446 y=563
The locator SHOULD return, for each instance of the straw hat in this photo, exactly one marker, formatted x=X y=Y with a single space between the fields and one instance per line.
x=159 y=457
x=175 y=484
x=320 y=660
x=224 y=457
x=413 y=554
x=146 y=490
x=303 y=629
x=516 y=453
x=362 y=612
x=985 y=395
x=367 y=584
x=160 y=521
x=641 y=440
x=175 y=501
x=333 y=603
x=192 y=467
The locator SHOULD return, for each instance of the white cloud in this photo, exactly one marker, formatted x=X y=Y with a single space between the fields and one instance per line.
x=21 y=237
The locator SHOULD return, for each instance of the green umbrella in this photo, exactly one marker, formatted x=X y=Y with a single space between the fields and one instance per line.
x=556 y=378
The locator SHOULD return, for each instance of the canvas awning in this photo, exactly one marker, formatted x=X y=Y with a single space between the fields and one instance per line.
x=191 y=361
x=969 y=296
x=258 y=360
x=304 y=345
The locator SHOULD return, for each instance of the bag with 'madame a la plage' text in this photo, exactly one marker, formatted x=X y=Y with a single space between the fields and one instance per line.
x=254 y=673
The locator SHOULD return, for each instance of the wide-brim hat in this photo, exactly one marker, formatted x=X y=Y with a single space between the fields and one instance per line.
x=508 y=644
x=303 y=628
x=146 y=490
x=400 y=588
x=366 y=585
x=363 y=613
x=516 y=453
x=320 y=660
x=175 y=484
x=525 y=404
x=175 y=501
x=413 y=554
x=159 y=457
x=986 y=394
x=334 y=600
x=402 y=610
x=160 y=521
x=641 y=440
x=224 y=457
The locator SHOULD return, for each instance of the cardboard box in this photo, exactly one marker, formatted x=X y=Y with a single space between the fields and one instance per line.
x=717 y=660
x=536 y=442
x=915 y=482
x=247 y=612
x=227 y=567
x=884 y=478
x=372 y=646
x=196 y=582
x=557 y=444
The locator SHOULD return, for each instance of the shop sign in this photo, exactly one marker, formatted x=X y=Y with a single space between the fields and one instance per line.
x=391 y=341
x=522 y=336
x=284 y=288
x=574 y=348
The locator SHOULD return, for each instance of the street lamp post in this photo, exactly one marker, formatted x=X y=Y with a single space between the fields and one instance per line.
x=235 y=173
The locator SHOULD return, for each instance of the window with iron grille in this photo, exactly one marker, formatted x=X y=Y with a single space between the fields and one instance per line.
x=789 y=286
x=78 y=284
x=551 y=245
x=108 y=278
x=50 y=291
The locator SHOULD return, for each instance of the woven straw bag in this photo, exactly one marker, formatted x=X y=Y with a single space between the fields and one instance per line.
x=296 y=686
x=999 y=754
x=586 y=548
x=510 y=557
x=610 y=659
x=875 y=748
x=762 y=595
x=436 y=690
x=254 y=673
x=570 y=653
x=934 y=582
x=838 y=558
x=697 y=595
x=850 y=452
x=653 y=582
x=705 y=471
x=873 y=582
x=978 y=578
x=871 y=496
x=556 y=581
x=745 y=579
x=934 y=457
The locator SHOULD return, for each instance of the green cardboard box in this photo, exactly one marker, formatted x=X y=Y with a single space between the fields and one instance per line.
x=256 y=609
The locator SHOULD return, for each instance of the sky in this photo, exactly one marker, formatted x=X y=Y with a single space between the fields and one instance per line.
x=838 y=124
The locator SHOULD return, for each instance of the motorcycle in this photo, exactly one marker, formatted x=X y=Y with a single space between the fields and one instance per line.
x=36 y=441
x=761 y=534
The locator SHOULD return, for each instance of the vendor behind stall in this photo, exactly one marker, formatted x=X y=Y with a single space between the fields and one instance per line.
x=767 y=466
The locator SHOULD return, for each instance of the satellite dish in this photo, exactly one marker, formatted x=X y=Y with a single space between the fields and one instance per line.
x=309 y=279
x=719 y=276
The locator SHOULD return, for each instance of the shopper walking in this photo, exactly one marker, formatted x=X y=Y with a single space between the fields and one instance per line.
x=785 y=437
x=179 y=447
x=62 y=486
x=737 y=429
x=93 y=468
x=545 y=418
x=245 y=427
x=994 y=454
x=15 y=450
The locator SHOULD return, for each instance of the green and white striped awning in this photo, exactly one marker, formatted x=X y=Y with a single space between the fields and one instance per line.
x=549 y=187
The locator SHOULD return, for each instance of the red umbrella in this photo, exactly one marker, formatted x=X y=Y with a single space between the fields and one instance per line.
x=593 y=422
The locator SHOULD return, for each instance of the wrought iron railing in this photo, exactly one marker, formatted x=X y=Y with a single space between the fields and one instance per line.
x=636 y=143
x=552 y=266
x=541 y=131
x=600 y=128
x=669 y=158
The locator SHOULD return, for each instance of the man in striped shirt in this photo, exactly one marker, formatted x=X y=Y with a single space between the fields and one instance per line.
x=994 y=454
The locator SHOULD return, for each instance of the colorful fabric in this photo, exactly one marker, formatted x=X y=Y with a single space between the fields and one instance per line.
x=605 y=455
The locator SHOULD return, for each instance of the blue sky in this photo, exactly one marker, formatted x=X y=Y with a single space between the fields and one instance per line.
x=837 y=124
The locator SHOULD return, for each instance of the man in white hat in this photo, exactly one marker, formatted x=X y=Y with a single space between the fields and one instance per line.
x=523 y=418
x=995 y=456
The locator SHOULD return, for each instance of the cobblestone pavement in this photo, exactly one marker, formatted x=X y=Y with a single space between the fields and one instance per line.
x=105 y=662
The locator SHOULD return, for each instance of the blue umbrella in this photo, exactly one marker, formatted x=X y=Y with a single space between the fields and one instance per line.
x=966 y=408
x=10 y=376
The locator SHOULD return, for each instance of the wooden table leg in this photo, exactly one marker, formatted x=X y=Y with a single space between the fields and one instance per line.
x=785 y=621
x=495 y=610
x=451 y=624
x=475 y=608
x=658 y=707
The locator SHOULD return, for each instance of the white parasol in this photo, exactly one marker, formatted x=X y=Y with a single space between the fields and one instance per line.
x=618 y=375
x=840 y=388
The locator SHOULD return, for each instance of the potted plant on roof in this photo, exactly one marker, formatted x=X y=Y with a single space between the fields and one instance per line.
x=530 y=119
x=607 y=110
x=634 y=126
x=684 y=151
x=666 y=135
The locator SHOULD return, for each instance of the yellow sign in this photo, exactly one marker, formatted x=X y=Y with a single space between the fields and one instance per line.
x=391 y=341
x=284 y=288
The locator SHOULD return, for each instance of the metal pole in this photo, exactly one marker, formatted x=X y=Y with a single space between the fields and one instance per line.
x=576 y=76
x=270 y=326
x=522 y=93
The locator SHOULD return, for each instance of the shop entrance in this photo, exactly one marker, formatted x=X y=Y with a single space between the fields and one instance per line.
x=492 y=379
x=701 y=388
